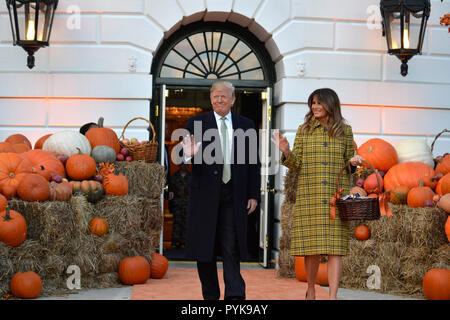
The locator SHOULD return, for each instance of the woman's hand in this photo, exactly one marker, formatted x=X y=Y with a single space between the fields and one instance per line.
x=356 y=160
x=281 y=142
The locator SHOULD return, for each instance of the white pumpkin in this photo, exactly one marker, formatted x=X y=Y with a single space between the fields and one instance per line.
x=67 y=143
x=414 y=150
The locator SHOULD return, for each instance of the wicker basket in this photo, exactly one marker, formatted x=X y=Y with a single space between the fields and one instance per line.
x=144 y=151
x=434 y=141
x=358 y=209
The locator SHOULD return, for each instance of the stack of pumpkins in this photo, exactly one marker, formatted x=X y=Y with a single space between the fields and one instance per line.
x=43 y=173
x=60 y=165
x=411 y=177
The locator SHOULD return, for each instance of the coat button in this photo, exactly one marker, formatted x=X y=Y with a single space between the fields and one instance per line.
x=325 y=182
x=325 y=163
x=215 y=172
x=325 y=144
x=324 y=201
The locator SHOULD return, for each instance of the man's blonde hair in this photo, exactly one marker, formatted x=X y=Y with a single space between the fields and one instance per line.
x=221 y=85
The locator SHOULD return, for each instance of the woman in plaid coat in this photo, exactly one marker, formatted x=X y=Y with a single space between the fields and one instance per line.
x=323 y=145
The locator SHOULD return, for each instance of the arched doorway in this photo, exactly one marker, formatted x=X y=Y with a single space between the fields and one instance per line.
x=183 y=69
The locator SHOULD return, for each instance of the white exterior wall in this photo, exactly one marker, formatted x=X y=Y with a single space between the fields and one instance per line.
x=85 y=73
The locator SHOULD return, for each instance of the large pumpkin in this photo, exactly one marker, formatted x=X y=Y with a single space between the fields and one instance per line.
x=443 y=165
x=135 y=270
x=40 y=142
x=300 y=270
x=3 y=203
x=159 y=266
x=436 y=284
x=411 y=150
x=33 y=187
x=6 y=147
x=19 y=138
x=43 y=160
x=418 y=195
x=445 y=184
x=116 y=185
x=67 y=143
x=409 y=174
x=378 y=152
x=12 y=170
x=102 y=136
x=13 y=228
x=26 y=285
x=20 y=147
x=81 y=166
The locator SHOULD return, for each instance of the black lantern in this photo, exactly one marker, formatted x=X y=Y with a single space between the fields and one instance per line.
x=404 y=24
x=31 y=23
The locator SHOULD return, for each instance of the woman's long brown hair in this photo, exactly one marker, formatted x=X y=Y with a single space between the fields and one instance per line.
x=330 y=101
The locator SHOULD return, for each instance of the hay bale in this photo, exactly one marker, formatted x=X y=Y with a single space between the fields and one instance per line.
x=58 y=236
x=416 y=227
x=144 y=179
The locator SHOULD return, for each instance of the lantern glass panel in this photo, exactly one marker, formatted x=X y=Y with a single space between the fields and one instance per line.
x=411 y=33
x=393 y=23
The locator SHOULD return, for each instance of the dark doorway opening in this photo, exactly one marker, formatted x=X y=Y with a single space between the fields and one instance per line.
x=182 y=104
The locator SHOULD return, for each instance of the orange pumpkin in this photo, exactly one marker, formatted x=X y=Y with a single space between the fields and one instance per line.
x=26 y=285
x=60 y=191
x=40 y=142
x=362 y=233
x=45 y=163
x=300 y=270
x=12 y=170
x=399 y=195
x=322 y=274
x=20 y=147
x=33 y=187
x=116 y=185
x=409 y=174
x=418 y=195
x=19 y=138
x=13 y=228
x=443 y=166
x=134 y=270
x=445 y=184
x=438 y=189
x=99 y=226
x=103 y=137
x=378 y=152
x=159 y=266
x=6 y=147
x=371 y=183
x=81 y=167
x=3 y=203
x=436 y=284
x=372 y=195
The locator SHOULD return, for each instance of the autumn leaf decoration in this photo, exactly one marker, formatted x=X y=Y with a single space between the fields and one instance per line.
x=445 y=20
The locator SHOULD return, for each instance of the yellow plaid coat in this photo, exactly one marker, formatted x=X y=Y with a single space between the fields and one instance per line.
x=319 y=159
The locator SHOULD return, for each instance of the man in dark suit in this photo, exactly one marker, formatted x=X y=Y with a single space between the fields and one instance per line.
x=224 y=190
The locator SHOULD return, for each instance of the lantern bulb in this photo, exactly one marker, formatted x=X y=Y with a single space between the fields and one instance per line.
x=31 y=30
x=406 y=39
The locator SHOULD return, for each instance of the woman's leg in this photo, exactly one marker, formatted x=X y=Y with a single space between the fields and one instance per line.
x=311 y=267
x=334 y=275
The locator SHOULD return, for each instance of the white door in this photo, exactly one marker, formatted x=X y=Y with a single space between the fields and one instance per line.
x=266 y=189
x=162 y=116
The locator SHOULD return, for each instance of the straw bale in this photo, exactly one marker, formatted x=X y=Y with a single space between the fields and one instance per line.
x=58 y=236
x=144 y=179
x=290 y=185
